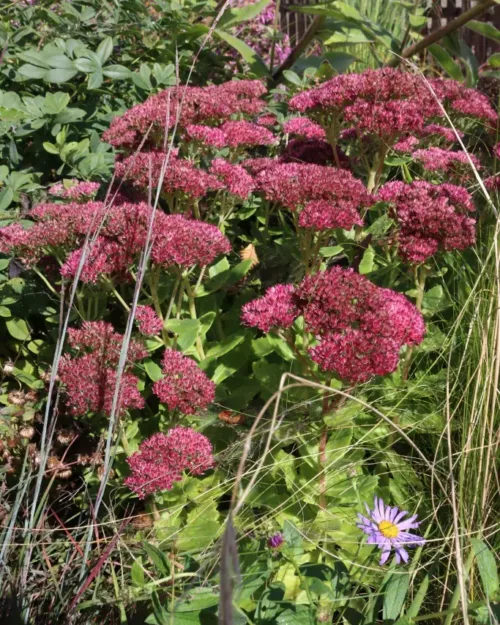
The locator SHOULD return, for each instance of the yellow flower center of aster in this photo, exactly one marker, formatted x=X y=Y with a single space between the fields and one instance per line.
x=388 y=529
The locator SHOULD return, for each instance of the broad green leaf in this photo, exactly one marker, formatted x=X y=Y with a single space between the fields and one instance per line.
x=31 y=71
x=226 y=278
x=59 y=75
x=198 y=599
x=153 y=370
x=186 y=330
x=105 y=49
x=434 y=298
x=157 y=558
x=5 y=312
x=59 y=61
x=95 y=80
x=345 y=34
x=117 y=72
x=137 y=573
x=395 y=595
x=349 y=11
x=50 y=147
x=293 y=545
x=494 y=60
x=161 y=615
x=339 y=61
x=224 y=346
x=85 y=65
x=255 y=63
x=292 y=78
x=485 y=29
x=33 y=57
x=56 y=102
x=367 y=264
x=243 y=14
x=206 y=322
x=6 y=197
x=328 y=252
x=18 y=329
x=486 y=563
x=445 y=60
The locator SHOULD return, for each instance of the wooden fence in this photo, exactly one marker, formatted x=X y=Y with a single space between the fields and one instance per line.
x=440 y=12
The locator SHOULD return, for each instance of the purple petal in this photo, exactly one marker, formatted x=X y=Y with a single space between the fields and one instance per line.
x=402 y=514
x=402 y=553
x=385 y=556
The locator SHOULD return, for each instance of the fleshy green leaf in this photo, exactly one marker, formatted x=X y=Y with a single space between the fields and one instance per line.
x=445 y=60
x=59 y=75
x=117 y=72
x=105 y=49
x=256 y=64
x=18 y=329
x=395 y=595
x=487 y=566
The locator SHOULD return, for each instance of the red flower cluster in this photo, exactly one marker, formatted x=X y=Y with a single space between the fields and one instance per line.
x=185 y=386
x=277 y=309
x=429 y=218
x=234 y=178
x=78 y=191
x=90 y=378
x=187 y=105
x=232 y=134
x=464 y=101
x=295 y=185
x=57 y=226
x=325 y=215
x=361 y=327
x=388 y=103
x=122 y=234
x=437 y=159
x=148 y=321
x=143 y=170
x=163 y=458
x=304 y=127
x=187 y=242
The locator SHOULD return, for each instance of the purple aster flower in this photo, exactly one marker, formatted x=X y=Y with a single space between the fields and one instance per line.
x=275 y=541
x=386 y=529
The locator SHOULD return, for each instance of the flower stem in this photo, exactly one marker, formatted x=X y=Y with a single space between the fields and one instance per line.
x=112 y=288
x=420 y=279
x=46 y=282
x=192 y=312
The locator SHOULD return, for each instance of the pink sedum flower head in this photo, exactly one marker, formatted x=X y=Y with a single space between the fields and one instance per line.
x=90 y=378
x=143 y=169
x=148 y=321
x=100 y=338
x=162 y=460
x=430 y=218
x=244 y=133
x=187 y=242
x=437 y=159
x=234 y=177
x=184 y=386
x=361 y=328
x=304 y=127
x=188 y=105
x=296 y=184
x=357 y=356
x=277 y=309
x=90 y=386
x=387 y=528
x=78 y=191
x=324 y=215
